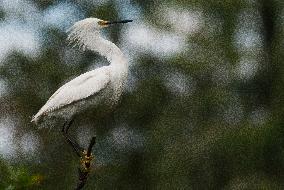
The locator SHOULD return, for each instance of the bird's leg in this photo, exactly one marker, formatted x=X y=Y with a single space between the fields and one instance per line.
x=76 y=147
x=85 y=155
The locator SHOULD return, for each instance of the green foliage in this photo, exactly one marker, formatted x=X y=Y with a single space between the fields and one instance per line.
x=18 y=177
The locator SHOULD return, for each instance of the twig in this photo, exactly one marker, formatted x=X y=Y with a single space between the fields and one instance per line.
x=84 y=168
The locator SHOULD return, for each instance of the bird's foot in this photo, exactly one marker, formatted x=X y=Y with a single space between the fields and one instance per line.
x=85 y=167
x=86 y=160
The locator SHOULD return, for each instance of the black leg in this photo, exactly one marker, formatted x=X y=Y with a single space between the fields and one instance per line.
x=85 y=155
x=76 y=147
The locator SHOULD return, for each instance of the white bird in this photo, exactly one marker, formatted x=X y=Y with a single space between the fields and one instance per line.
x=102 y=86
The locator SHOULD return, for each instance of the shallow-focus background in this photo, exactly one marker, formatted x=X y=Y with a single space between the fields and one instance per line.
x=203 y=107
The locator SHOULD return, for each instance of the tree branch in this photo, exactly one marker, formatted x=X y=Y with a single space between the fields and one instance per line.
x=85 y=167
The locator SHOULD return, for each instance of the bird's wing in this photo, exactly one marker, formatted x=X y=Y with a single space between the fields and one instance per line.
x=77 y=89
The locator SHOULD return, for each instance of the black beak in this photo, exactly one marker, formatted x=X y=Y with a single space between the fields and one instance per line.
x=118 y=22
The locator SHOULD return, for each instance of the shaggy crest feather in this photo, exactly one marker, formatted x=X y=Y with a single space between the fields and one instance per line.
x=79 y=32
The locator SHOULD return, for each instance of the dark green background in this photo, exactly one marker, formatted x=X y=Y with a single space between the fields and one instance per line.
x=225 y=133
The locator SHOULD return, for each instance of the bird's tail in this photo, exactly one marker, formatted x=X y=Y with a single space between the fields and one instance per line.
x=36 y=119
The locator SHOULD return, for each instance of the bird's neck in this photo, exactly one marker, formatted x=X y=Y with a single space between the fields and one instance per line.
x=118 y=63
x=108 y=50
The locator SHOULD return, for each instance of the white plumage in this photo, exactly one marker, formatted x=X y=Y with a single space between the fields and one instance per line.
x=102 y=85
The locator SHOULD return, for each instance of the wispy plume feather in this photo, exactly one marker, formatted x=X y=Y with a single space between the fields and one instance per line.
x=78 y=34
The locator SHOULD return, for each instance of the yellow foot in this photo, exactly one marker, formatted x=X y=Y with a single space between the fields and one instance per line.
x=86 y=160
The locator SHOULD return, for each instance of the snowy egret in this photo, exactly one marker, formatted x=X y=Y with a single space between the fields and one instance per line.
x=102 y=86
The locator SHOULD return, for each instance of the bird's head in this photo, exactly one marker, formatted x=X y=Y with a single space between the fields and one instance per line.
x=93 y=24
x=81 y=30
